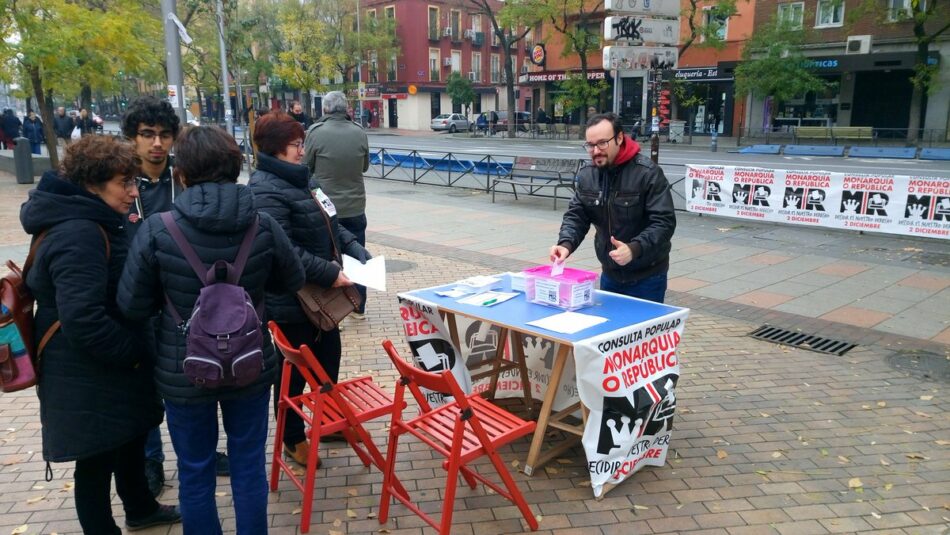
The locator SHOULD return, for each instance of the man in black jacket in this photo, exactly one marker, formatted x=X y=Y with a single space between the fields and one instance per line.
x=153 y=125
x=627 y=199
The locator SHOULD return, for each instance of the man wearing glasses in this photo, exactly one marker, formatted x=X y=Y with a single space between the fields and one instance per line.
x=627 y=199
x=153 y=125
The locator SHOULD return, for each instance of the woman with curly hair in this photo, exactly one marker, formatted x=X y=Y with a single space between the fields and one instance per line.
x=96 y=390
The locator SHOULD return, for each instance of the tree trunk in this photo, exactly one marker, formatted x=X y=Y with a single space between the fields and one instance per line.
x=85 y=97
x=917 y=96
x=582 y=116
x=510 y=91
x=46 y=112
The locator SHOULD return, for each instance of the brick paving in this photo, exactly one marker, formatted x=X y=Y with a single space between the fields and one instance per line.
x=768 y=439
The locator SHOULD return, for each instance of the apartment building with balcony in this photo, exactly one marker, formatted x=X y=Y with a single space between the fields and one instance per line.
x=868 y=63
x=437 y=37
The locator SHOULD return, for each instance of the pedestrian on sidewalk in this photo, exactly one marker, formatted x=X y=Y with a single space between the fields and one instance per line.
x=296 y=111
x=33 y=130
x=97 y=389
x=281 y=186
x=63 y=125
x=214 y=214
x=337 y=155
x=627 y=198
x=9 y=129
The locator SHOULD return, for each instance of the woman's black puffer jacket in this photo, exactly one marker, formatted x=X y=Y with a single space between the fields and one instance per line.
x=96 y=389
x=282 y=190
x=214 y=218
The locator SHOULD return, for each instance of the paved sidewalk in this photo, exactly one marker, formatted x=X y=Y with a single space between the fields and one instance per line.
x=769 y=439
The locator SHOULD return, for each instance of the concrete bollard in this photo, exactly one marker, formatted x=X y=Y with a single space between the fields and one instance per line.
x=23 y=161
x=714 y=143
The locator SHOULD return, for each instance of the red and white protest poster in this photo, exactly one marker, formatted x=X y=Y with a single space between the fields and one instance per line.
x=627 y=379
x=431 y=345
x=895 y=204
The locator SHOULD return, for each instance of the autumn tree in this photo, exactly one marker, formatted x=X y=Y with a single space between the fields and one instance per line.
x=509 y=24
x=56 y=47
x=774 y=65
x=580 y=22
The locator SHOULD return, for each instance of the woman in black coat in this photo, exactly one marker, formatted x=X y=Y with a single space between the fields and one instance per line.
x=96 y=391
x=281 y=189
x=214 y=214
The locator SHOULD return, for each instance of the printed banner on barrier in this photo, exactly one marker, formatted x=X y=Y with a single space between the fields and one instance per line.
x=896 y=204
x=431 y=345
x=627 y=379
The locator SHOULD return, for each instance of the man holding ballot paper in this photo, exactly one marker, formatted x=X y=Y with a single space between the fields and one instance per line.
x=627 y=198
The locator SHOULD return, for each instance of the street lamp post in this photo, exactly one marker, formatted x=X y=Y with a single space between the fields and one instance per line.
x=228 y=114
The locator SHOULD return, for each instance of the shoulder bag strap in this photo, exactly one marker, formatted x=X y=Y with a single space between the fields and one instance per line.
x=48 y=335
x=336 y=252
x=245 y=251
x=186 y=249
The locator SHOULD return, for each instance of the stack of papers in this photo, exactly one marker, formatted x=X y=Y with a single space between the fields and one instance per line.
x=487 y=299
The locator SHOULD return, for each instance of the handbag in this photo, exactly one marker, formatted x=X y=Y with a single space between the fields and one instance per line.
x=76 y=133
x=326 y=307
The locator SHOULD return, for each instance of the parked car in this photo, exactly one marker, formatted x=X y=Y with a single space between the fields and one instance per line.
x=453 y=122
x=523 y=118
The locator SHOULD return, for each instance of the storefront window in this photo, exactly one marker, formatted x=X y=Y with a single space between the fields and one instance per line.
x=813 y=108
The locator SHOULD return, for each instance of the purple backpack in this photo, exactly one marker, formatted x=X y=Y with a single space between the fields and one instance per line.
x=223 y=336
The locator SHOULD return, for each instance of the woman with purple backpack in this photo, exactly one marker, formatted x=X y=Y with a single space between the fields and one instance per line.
x=211 y=247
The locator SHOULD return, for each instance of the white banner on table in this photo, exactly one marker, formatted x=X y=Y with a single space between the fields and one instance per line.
x=539 y=356
x=896 y=204
x=431 y=345
x=627 y=379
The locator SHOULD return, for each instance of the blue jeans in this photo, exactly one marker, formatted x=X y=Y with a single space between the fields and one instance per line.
x=153 y=445
x=35 y=148
x=357 y=227
x=652 y=288
x=194 y=433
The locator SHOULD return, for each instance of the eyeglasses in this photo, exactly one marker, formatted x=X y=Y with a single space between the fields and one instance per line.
x=601 y=145
x=165 y=135
x=297 y=144
x=130 y=183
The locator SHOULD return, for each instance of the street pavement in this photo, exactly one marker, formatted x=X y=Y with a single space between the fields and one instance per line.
x=768 y=438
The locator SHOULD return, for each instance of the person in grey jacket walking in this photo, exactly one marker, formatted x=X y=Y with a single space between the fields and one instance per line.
x=337 y=153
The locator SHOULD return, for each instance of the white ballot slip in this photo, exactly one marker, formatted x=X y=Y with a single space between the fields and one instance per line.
x=372 y=274
x=557 y=268
x=567 y=322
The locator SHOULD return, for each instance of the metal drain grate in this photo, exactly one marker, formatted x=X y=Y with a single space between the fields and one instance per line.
x=802 y=340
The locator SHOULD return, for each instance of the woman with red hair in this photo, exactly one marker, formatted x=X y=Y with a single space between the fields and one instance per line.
x=282 y=188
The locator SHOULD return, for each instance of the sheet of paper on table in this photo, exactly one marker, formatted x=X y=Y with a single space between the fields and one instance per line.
x=372 y=274
x=487 y=299
x=567 y=322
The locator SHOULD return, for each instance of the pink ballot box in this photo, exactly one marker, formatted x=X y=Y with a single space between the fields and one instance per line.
x=572 y=289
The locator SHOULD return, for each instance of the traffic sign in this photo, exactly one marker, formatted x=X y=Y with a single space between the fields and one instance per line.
x=639 y=57
x=642 y=30
x=656 y=8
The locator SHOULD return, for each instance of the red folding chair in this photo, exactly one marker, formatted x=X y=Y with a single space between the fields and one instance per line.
x=326 y=408
x=460 y=431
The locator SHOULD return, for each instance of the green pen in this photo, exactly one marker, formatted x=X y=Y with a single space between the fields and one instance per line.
x=490 y=302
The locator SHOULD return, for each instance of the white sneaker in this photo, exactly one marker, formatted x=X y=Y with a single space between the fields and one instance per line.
x=358 y=316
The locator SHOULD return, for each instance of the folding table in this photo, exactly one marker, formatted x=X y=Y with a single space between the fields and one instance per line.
x=512 y=317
